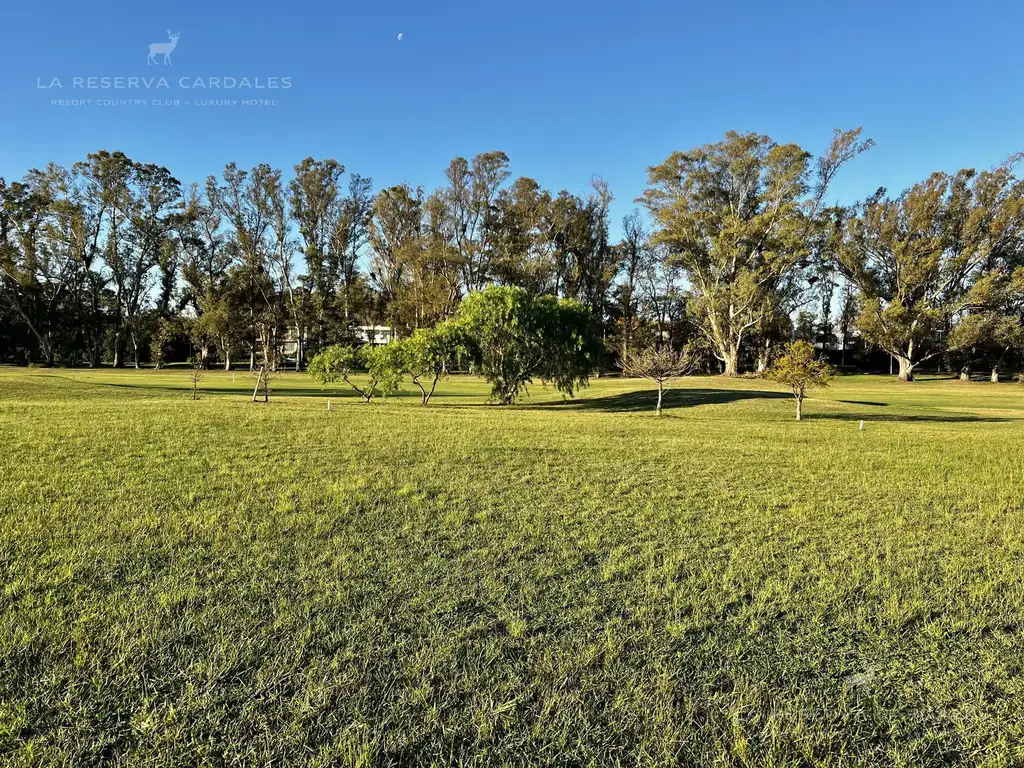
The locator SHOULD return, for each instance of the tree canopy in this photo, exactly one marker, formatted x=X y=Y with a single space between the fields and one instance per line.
x=515 y=337
x=112 y=261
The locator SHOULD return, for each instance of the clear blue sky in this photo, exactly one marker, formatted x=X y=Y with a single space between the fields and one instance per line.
x=567 y=88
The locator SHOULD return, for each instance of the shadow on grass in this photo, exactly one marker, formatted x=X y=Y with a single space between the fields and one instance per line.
x=646 y=400
x=913 y=417
x=235 y=391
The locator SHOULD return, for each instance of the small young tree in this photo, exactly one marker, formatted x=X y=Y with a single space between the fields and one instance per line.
x=659 y=364
x=195 y=366
x=384 y=365
x=429 y=354
x=264 y=375
x=335 y=363
x=341 y=363
x=799 y=369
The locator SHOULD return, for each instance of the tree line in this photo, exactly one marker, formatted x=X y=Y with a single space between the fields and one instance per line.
x=737 y=250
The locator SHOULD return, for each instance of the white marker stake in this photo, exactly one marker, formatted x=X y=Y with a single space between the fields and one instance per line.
x=328 y=405
x=862 y=424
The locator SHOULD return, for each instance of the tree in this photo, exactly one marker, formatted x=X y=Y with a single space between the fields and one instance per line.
x=333 y=364
x=206 y=265
x=849 y=309
x=395 y=240
x=660 y=365
x=164 y=331
x=632 y=251
x=265 y=374
x=515 y=337
x=664 y=301
x=738 y=216
x=351 y=235
x=252 y=202
x=915 y=258
x=429 y=354
x=585 y=261
x=799 y=370
x=383 y=363
x=157 y=213
x=318 y=209
x=521 y=243
x=806 y=326
x=994 y=325
x=468 y=199
x=39 y=255
x=110 y=204
x=341 y=363
x=195 y=369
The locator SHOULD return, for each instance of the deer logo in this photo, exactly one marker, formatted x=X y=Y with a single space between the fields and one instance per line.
x=164 y=48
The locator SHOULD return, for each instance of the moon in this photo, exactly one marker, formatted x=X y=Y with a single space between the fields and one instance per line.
x=400 y=35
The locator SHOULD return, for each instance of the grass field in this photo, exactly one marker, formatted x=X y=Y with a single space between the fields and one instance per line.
x=220 y=583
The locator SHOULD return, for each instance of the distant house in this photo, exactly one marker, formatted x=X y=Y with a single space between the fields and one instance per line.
x=290 y=346
x=374 y=334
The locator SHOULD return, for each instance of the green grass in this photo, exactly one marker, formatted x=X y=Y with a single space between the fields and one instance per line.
x=220 y=583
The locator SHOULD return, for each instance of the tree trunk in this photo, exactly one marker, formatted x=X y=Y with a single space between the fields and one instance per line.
x=48 y=352
x=906 y=368
x=995 y=374
x=965 y=373
x=730 y=361
x=799 y=407
x=661 y=387
x=256 y=389
x=430 y=394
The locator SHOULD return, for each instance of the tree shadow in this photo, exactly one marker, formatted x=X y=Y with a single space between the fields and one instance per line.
x=914 y=417
x=865 y=402
x=647 y=399
x=342 y=393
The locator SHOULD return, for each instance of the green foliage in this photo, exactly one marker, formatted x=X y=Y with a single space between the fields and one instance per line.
x=739 y=216
x=800 y=369
x=335 y=363
x=384 y=365
x=430 y=354
x=515 y=337
x=924 y=259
